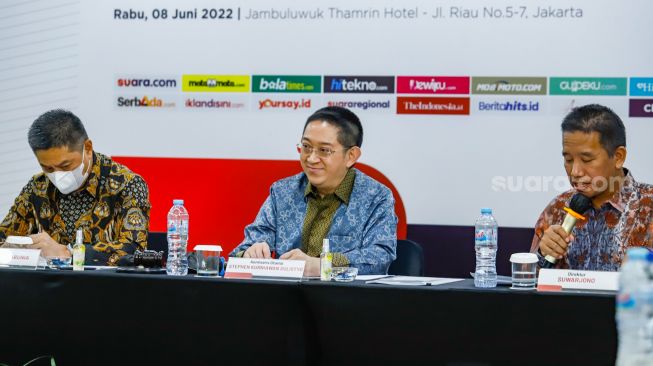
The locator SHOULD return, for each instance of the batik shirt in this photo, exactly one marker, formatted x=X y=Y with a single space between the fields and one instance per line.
x=112 y=208
x=363 y=230
x=600 y=242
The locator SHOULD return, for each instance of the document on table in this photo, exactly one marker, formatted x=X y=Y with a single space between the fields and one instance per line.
x=413 y=281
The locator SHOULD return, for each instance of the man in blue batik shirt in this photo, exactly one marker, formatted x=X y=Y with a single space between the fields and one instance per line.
x=330 y=199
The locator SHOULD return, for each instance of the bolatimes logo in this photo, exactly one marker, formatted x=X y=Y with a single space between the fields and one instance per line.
x=509 y=85
x=286 y=84
x=145 y=102
x=213 y=104
x=215 y=83
x=641 y=108
x=588 y=86
x=284 y=104
x=146 y=83
x=432 y=105
x=359 y=84
x=432 y=84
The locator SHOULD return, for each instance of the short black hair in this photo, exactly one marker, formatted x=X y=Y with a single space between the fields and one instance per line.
x=57 y=128
x=597 y=118
x=350 y=129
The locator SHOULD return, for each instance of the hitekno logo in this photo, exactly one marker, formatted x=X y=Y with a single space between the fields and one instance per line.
x=286 y=84
x=509 y=85
x=432 y=84
x=588 y=86
x=432 y=105
x=215 y=83
x=288 y=104
x=145 y=101
x=359 y=84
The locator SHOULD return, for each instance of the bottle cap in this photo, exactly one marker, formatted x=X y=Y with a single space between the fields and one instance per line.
x=637 y=253
x=325 y=245
x=178 y=202
x=79 y=239
x=486 y=210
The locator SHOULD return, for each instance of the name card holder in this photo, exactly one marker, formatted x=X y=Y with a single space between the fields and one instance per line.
x=264 y=268
x=20 y=258
x=563 y=279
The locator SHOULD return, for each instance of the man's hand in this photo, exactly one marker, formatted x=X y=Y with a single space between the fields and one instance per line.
x=259 y=251
x=49 y=247
x=312 y=267
x=555 y=242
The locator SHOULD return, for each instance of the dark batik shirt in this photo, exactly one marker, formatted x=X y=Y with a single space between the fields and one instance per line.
x=112 y=208
x=601 y=241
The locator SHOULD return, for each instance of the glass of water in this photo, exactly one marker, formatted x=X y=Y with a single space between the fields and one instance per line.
x=524 y=271
x=208 y=259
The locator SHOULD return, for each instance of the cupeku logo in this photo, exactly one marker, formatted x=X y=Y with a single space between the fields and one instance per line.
x=145 y=101
x=509 y=106
x=509 y=85
x=432 y=105
x=432 y=84
x=215 y=83
x=588 y=86
x=359 y=84
x=284 y=104
x=286 y=84
x=641 y=108
x=641 y=87
x=360 y=104
x=146 y=83
x=213 y=104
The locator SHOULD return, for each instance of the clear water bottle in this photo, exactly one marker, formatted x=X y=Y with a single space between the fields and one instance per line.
x=632 y=311
x=177 y=264
x=486 y=244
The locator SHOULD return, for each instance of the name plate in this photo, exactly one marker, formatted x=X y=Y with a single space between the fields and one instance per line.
x=19 y=258
x=560 y=279
x=252 y=268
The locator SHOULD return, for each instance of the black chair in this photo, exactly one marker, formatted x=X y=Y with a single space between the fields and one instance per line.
x=410 y=259
x=158 y=241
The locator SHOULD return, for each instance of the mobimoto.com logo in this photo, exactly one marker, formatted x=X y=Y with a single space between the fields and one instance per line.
x=284 y=104
x=144 y=102
x=146 y=83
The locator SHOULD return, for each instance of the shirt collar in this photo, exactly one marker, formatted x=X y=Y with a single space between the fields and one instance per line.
x=342 y=192
x=621 y=197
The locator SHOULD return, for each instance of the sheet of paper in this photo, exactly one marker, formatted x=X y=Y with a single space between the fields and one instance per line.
x=414 y=281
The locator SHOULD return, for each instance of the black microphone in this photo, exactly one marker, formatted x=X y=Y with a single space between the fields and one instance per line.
x=578 y=205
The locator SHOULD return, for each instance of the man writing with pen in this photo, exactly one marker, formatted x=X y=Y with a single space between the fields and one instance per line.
x=78 y=189
x=329 y=199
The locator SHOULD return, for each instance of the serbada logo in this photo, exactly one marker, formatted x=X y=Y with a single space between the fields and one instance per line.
x=286 y=84
x=284 y=104
x=145 y=101
x=215 y=83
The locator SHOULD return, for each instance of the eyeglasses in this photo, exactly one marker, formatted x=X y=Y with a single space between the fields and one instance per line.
x=321 y=152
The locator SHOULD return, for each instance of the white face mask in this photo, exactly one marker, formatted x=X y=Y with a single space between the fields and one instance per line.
x=70 y=181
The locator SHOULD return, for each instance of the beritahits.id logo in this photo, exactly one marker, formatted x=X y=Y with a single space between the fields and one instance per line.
x=508 y=106
x=144 y=102
x=359 y=84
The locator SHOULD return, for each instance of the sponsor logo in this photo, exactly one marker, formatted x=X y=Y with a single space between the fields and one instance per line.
x=432 y=105
x=213 y=103
x=215 y=83
x=509 y=85
x=146 y=83
x=359 y=84
x=360 y=104
x=432 y=84
x=588 y=86
x=286 y=84
x=509 y=106
x=284 y=104
x=641 y=87
x=145 y=101
x=641 y=108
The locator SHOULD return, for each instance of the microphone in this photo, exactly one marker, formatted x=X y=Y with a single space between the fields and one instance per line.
x=578 y=205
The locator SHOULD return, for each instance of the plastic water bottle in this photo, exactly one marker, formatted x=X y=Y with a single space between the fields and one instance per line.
x=177 y=264
x=632 y=311
x=486 y=243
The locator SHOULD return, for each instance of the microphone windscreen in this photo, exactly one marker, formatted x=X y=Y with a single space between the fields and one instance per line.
x=580 y=203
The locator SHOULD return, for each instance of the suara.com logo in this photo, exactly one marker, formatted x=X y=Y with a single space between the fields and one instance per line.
x=286 y=84
x=215 y=83
x=146 y=83
x=588 y=86
x=144 y=102
x=509 y=85
x=359 y=84
x=284 y=104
